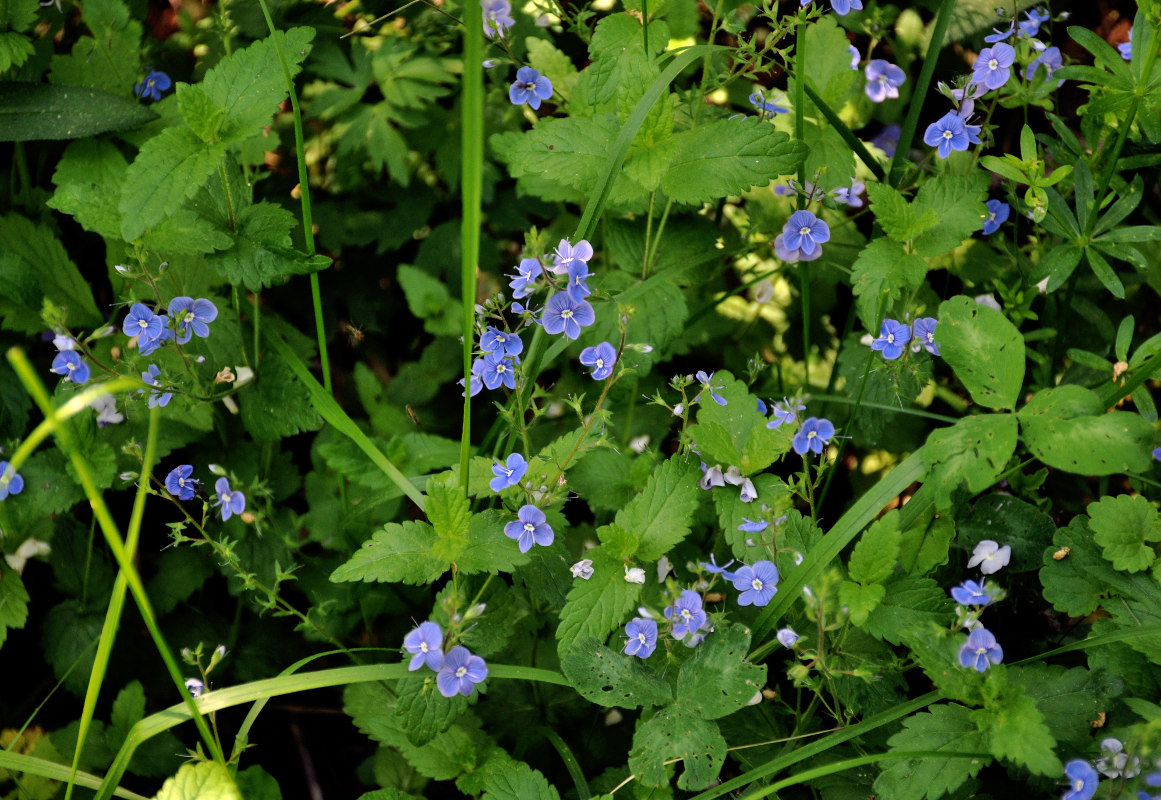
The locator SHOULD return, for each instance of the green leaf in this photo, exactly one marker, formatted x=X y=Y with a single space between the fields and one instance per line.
x=428 y=299
x=553 y=64
x=448 y=755
x=597 y=606
x=421 y=712
x=33 y=112
x=894 y=214
x=660 y=516
x=88 y=181
x=484 y=547
x=1070 y=583
x=974 y=452
x=35 y=266
x=1058 y=265
x=908 y=602
x=620 y=63
x=873 y=559
x=860 y=599
x=13 y=601
x=719 y=679
x=204 y=780
x=199 y=112
x=15 y=49
x=1011 y=521
x=262 y=254
x=1121 y=526
x=184 y=233
x=883 y=272
x=966 y=329
x=1069 y=699
x=518 y=782
x=276 y=404
x=612 y=679
x=958 y=205
x=1066 y=427
x=657 y=315
x=925 y=544
x=17 y=15
x=829 y=76
x=1004 y=168
x=169 y=169
x=1016 y=732
x=248 y=85
x=728 y=156
x=400 y=553
x=369 y=707
x=677 y=732
x=736 y=433
x=944 y=728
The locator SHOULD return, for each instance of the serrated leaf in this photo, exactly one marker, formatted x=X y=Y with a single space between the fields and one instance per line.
x=1066 y=427
x=925 y=544
x=169 y=169
x=13 y=601
x=965 y=330
x=429 y=300
x=880 y=275
x=553 y=64
x=728 y=157
x=88 y=181
x=860 y=600
x=1121 y=526
x=15 y=49
x=1015 y=731
x=974 y=452
x=369 y=707
x=262 y=254
x=893 y=213
x=873 y=559
x=677 y=732
x=276 y=404
x=34 y=263
x=736 y=433
x=612 y=679
x=908 y=602
x=719 y=679
x=659 y=517
x=1069 y=699
x=448 y=755
x=658 y=318
x=17 y=15
x=199 y=112
x=957 y=205
x=518 y=782
x=400 y=553
x=597 y=606
x=484 y=547
x=204 y=780
x=947 y=727
x=421 y=712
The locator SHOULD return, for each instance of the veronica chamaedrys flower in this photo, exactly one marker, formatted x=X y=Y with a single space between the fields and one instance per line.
x=998 y=212
x=752 y=526
x=1000 y=34
x=497 y=17
x=757 y=583
x=231 y=502
x=529 y=87
x=686 y=614
x=990 y=557
x=924 y=333
x=855 y=57
x=950 y=132
x=146 y=346
x=601 y=358
x=498 y=369
x=786 y=411
x=641 y=638
x=508 y=473
x=494 y=340
x=843 y=7
x=1051 y=60
x=1082 y=780
x=195 y=687
x=425 y=643
x=11 y=482
x=523 y=282
x=805 y=232
x=1114 y=762
x=888 y=138
x=153 y=85
x=563 y=314
x=883 y=80
x=582 y=569
x=179 y=483
x=759 y=101
x=993 y=67
x=712 y=476
x=850 y=195
x=967 y=96
x=790 y=255
x=893 y=339
x=787 y=637
x=706 y=382
x=1126 y=48
x=1030 y=25
x=1157 y=453
x=156 y=398
x=192 y=317
x=813 y=434
x=713 y=568
x=70 y=364
x=970 y=593
x=460 y=673
x=578 y=275
x=981 y=651
x=142 y=323
x=529 y=528
x=634 y=575
x=566 y=254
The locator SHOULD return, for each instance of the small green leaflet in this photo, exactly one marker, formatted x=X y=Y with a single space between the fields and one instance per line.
x=883 y=271
x=610 y=678
x=400 y=553
x=421 y=712
x=966 y=329
x=947 y=727
x=518 y=782
x=873 y=559
x=1016 y=732
x=13 y=601
x=659 y=517
x=1121 y=526
x=909 y=602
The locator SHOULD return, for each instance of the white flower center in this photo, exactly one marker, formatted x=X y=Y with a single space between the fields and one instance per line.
x=566 y=314
x=224 y=497
x=461 y=672
x=981 y=651
x=804 y=231
x=423 y=647
x=142 y=324
x=529 y=527
x=188 y=317
x=931 y=337
x=811 y=435
x=641 y=638
x=948 y=135
x=890 y=338
x=686 y=615
x=600 y=363
x=71 y=366
x=501 y=368
x=993 y=64
x=756 y=584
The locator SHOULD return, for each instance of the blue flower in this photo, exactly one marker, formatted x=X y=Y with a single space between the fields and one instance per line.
x=508 y=473
x=759 y=101
x=70 y=364
x=601 y=358
x=855 y=57
x=191 y=317
x=705 y=381
x=757 y=583
x=970 y=593
x=566 y=255
x=750 y=526
x=714 y=569
x=231 y=502
x=981 y=650
x=11 y=482
x=686 y=614
x=786 y=411
x=156 y=398
x=1051 y=60
x=477 y=383
x=642 y=637
x=967 y=97
x=523 y=282
x=787 y=637
x=497 y=18
x=498 y=369
x=179 y=483
x=500 y=343
x=888 y=138
x=1126 y=48
x=992 y=68
x=529 y=528
x=529 y=87
x=843 y=7
x=460 y=673
x=999 y=35
x=997 y=215
x=563 y=314
x=949 y=133
x=850 y=195
x=883 y=80
x=813 y=434
x=924 y=330
x=154 y=84
x=142 y=323
x=791 y=255
x=893 y=339
x=147 y=347
x=805 y=232
x=1157 y=453
x=1031 y=26
x=425 y=643
x=1082 y=780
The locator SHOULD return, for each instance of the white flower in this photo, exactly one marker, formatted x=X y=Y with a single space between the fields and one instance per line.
x=733 y=476
x=712 y=477
x=1042 y=287
x=106 y=408
x=634 y=575
x=664 y=567
x=748 y=491
x=988 y=300
x=764 y=291
x=1114 y=763
x=195 y=687
x=29 y=548
x=582 y=569
x=990 y=556
x=639 y=444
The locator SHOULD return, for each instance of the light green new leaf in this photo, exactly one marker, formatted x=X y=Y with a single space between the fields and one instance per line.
x=1121 y=526
x=897 y=216
x=873 y=559
x=17 y=15
x=966 y=330
x=861 y=600
x=199 y=112
x=400 y=553
x=728 y=157
x=1066 y=427
x=736 y=433
x=429 y=300
x=1016 y=732
x=884 y=271
x=552 y=64
x=597 y=606
x=659 y=517
x=719 y=679
x=518 y=782
x=169 y=169
x=947 y=727
x=204 y=780
x=677 y=732
x=612 y=679
x=974 y=451
x=957 y=203
x=13 y=601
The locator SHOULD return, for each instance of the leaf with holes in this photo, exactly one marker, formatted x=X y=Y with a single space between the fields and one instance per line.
x=612 y=679
x=967 y=331
x=1066 y=427
x=719 y=679
x=677 y=732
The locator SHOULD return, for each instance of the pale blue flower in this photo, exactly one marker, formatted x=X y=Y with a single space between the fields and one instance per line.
x=460 y=673
x=642 y=637
x=508 y=473
x=425 y=643
x=981 y=651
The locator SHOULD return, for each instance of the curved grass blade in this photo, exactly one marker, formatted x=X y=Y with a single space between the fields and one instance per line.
x=18 y=762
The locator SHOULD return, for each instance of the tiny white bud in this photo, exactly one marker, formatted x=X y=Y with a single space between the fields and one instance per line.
x=230 y=404
x=756 y=699
x=195 y=687
x=664 y=567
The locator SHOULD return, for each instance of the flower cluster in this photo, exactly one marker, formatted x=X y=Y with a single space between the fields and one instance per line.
x=186 y=318
x=981 y=649
x=456 y=672
x=894 y=337
x=181 y=484
x=757 y=582
x=497 y=365
x=11 y=481
x=713 y=476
